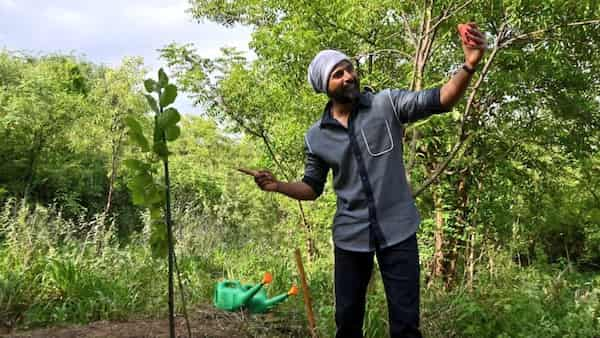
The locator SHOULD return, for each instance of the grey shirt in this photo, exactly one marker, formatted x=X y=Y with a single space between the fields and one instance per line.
x=375 y=208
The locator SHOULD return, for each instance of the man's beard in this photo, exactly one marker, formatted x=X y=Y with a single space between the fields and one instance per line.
x=346 y=94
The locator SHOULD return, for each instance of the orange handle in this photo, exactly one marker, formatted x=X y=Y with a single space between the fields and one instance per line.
x=293 y=291
x=267 y=278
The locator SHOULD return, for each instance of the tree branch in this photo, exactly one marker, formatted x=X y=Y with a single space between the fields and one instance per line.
x=447 y=14
x=389 y=50
x=463 y=133
x=532 y=34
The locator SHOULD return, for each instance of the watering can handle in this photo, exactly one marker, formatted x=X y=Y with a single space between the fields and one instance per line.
x=267 y=278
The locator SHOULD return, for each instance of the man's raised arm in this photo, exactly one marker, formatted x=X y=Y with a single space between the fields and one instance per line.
x=474 y=45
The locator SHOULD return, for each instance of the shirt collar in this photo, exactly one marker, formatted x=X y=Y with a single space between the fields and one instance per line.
x=364 y=100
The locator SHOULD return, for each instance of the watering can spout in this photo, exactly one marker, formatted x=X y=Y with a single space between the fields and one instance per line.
x=280 y=298
x=247 y=295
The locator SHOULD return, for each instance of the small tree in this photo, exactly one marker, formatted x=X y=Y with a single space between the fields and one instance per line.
x=146 y=188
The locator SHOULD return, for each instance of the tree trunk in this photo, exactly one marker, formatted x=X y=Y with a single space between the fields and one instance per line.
x=437 y=268
x=33 y=156
x=457 y=240
x=470 y=264
x=115 y=154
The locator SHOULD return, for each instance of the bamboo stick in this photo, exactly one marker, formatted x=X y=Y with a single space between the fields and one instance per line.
x=306 y=295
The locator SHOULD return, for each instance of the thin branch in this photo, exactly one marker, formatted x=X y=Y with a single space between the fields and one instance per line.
x=183 y=301
x=389 y=50
x=421 y=56
x=408 y=29
x=321 y=18
x=413 y=151
x=532 y=34
x=447 y=14
x=284 y=169
x=463 y=133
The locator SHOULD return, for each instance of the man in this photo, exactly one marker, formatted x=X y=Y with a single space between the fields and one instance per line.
x=359 y=139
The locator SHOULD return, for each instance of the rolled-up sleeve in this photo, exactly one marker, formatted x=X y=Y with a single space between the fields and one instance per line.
x=315 y=170
x=410 y=106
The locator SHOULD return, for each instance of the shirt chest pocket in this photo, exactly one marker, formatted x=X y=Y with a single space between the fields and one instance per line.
x=377 y=136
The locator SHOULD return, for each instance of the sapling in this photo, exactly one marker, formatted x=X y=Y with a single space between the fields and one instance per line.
x=145 y=185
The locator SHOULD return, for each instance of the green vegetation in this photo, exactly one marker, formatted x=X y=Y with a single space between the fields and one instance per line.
x=510 y=234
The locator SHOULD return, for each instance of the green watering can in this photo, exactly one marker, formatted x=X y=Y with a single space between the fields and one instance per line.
x=233 y=296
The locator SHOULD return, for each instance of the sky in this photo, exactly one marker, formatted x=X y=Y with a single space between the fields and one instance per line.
x=106 y=31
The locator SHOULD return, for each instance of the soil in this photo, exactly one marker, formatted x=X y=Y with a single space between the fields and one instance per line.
x=204 y=322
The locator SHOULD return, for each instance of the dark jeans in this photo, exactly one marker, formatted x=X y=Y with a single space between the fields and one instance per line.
x=399 y=265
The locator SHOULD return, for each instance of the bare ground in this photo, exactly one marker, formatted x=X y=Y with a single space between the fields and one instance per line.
x=205 y=322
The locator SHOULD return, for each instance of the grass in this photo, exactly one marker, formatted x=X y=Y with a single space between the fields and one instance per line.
x=55 y=271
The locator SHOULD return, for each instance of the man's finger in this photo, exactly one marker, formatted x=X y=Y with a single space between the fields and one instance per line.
x=248 y=172
x=477 y=39
x=475 y=33
x=264 y=180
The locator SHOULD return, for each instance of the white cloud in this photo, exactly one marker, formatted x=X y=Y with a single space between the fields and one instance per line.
x=8 y=4
x=65 y=17
x=106 y=31
x=170 y=15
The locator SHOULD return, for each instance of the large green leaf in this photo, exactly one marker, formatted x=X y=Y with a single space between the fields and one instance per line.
x=168 y=118
x=138 y=197
x=172 y=133
x=154 y=194
x=150 y=85
x=136 y=133
x=152 y=103
x=163 y=79
x=137 y=165
x=168 y=96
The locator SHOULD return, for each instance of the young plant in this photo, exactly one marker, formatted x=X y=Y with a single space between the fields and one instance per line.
x=146 y=189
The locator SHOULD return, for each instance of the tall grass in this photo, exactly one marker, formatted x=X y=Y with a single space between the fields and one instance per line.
x=54 y=270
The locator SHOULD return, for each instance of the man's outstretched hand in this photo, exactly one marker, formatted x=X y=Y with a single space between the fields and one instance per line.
x=263 y=178
x=473 y=43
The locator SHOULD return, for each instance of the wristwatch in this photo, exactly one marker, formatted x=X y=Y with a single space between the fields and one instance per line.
x=467 y=69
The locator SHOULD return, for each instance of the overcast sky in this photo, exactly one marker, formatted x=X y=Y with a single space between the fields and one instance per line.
x=105 y=31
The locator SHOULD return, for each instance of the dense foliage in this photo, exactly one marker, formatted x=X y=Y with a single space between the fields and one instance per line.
x=510 y=235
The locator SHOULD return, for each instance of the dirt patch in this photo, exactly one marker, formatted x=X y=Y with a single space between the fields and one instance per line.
x=204 y=322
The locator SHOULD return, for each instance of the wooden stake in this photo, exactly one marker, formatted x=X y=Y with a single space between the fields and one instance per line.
x=306 y=294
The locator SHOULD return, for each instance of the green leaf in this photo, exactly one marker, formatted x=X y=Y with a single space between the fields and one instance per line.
x=138 y=197
x=168 y=96
x=168 y=118
x=163 y=79
x=136 y=134
x=141 y=181
x=172 y=133
x=136 y=165
x=155 y=213
x=150 y=85
x=158 y=239
x=152 y=102
x=153 y=194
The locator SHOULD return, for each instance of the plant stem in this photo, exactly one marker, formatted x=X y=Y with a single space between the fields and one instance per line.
x=169 y=243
